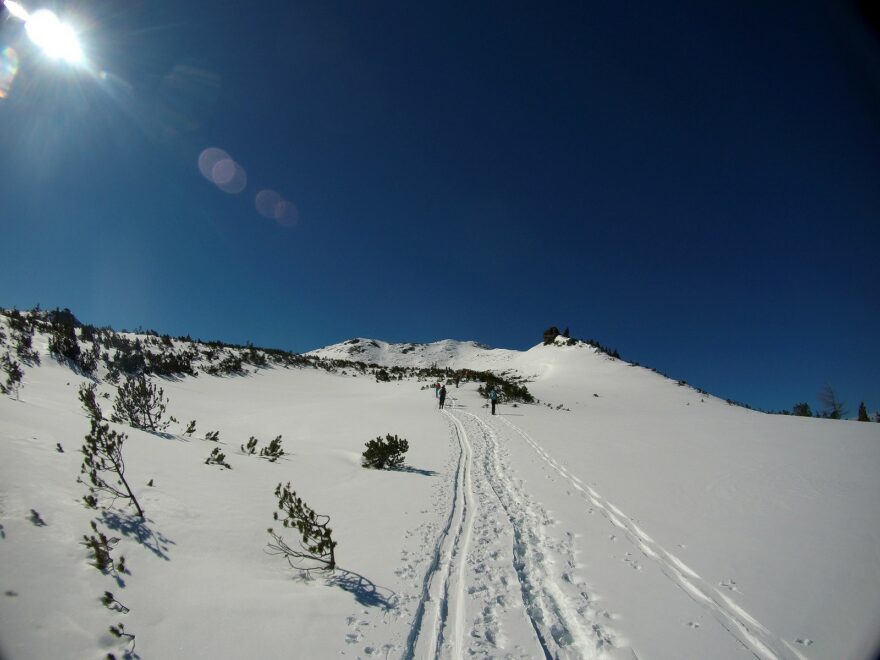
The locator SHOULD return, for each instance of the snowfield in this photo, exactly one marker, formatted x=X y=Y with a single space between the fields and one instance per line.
x=629 y=518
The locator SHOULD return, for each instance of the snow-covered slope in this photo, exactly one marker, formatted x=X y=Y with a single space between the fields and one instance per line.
x=446 y=353
x=629 y=518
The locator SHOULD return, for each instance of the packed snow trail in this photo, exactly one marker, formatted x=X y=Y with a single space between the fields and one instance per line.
x=755 y=637
x=560 y=630
x=438 y=625
x=493 y=585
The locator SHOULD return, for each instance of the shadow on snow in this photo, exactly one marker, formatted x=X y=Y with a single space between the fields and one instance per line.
x=365 y=591
x=134 y=528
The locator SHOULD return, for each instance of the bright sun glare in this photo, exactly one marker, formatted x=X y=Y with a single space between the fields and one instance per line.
x=56 y=39
x=44 y=28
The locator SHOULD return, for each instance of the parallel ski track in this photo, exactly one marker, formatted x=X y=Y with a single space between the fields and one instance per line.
x=559 y=629
x=755 y=637
x=438 y=624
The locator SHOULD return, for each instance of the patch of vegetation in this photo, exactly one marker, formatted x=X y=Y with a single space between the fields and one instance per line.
x=385 y=454
x=315 y=548
x=217 y=457
x=141 y=404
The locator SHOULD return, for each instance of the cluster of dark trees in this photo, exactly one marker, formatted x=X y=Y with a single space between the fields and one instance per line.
x=551 y=333
x=831 y=408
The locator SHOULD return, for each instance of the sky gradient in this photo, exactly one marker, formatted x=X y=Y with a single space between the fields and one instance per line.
x=696 y=186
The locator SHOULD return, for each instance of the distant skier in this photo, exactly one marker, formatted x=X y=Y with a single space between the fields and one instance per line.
x=493 y=397
x=442 y=396
x=436 y=390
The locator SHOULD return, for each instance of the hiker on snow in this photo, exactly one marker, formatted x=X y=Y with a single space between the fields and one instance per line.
x=442 y=396
x=493 y=397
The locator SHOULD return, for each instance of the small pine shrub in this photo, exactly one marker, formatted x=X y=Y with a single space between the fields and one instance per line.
x=217 y=457
x=14 y=376
x=63 y=343
x=88 y=360
x=103 y=463
x=109 y=601
x=141 y=404
x=316 y=545
x=251 y=448
x=385 y=454
x=101 y=548
x=89 y=403
x=190 y=429
x=24 y=349
x=802 y=410
x=119 y=631
x=212 y=436
x=274 y=451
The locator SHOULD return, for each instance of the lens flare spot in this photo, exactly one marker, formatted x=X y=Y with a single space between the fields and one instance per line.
x=273 y=206
x=208 y=159
x=223 y=172
x=8 y=70
x=232 y=183
x=286 y=214
x=266 y=202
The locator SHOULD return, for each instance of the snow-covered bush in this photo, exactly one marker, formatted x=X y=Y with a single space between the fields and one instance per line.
x=251 y=448
x=274 y=451
x=316 y=544
x=139 y=403
x=388 y=453
x=217 y=457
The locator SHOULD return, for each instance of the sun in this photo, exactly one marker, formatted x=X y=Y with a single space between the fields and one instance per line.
x=57 y=39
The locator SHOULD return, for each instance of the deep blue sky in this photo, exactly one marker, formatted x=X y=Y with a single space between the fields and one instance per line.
x=696 y=185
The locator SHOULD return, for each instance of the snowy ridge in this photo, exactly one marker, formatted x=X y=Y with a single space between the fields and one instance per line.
x=446 y=353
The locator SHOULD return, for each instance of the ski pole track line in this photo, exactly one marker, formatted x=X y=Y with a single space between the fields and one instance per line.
x=755 y=637
x=443 y=584
x=557 y=608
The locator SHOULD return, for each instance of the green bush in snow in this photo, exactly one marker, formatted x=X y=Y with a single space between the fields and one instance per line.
x=385 y=454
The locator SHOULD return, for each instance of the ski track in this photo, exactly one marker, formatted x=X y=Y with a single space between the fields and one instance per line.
x=737 y=621
x=554 y=603
x=438 y=624
x=494 y=565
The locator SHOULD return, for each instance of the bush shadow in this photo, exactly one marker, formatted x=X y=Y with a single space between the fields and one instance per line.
x=412 y=470
x=364 y=590
x=132 y=527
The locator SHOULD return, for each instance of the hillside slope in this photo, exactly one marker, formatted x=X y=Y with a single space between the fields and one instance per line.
x=630 y=517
